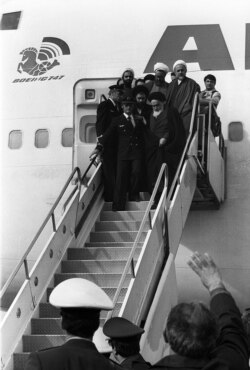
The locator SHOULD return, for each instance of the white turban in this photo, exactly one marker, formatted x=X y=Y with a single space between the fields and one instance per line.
x=161 y=67
x=179 y=62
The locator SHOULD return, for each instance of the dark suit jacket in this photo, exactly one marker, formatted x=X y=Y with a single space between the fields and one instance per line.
x=168 y=125
x=106 y=111
x=130 y=139
x=145 y=112
x=75 y=354
x=136 y=362
x=231 y=351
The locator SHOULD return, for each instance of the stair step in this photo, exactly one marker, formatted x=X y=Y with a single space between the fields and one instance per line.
x=33 y=343
x=102 y=261
x=19 y=360
x=116 y=236
x=101 y=253
x=123 y=215
x=93 y=266
x=99 y=279
x=120 y=226
x=45 y=326
x=130 y=206
x=109 y=291
x=111 y=244
x=50 y=326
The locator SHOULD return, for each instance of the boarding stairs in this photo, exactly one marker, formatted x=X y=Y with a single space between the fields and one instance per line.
x=130 y=254
x=210 y=158
x=100 y=260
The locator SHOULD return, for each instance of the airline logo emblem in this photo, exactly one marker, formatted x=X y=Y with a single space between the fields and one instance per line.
x=37 y=63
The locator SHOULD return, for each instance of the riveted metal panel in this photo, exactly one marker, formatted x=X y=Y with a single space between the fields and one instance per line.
x=215 y=168
x=15 y=321
x=187 y=187
x=175 y=221
x=40 y=276
x=153 y=345
x=139 y=297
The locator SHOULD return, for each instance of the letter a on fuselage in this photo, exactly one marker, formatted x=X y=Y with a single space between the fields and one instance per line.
x=211 y=52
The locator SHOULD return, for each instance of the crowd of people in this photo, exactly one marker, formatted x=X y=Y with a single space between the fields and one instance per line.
x=199 y=337
x=144 y=123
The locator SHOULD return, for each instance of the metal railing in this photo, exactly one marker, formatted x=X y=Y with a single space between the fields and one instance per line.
x=185 y=150
x=82 y=178
x=147 y=215
x=212 y=113
x=51 y=215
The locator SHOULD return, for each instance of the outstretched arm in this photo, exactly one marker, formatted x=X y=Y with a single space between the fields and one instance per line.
x=232 y=342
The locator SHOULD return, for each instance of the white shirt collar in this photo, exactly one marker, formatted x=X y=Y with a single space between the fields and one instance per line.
x=113 y=102
x=69 y=337
x=132 y=118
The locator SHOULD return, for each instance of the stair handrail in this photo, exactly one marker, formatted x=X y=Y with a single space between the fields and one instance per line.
x=221 y=138
x=82 y=178
x=51 y=215
x=129 y=263
x=147 y=212
x=185 y=150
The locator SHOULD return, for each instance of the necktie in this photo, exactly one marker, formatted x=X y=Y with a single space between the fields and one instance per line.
x=131 y=121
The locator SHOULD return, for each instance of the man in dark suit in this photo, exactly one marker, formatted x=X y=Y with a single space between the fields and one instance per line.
x=140 y=94
x=128 y=132
x=106 y=111
x=80 y=301
x=206 y=339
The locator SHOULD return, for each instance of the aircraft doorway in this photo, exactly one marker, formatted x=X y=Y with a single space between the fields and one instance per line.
x=88 y=93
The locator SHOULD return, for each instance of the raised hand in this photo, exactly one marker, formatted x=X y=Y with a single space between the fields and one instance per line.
x=205 y=267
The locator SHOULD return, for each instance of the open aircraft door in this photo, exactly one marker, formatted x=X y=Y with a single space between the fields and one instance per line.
x=88 y=93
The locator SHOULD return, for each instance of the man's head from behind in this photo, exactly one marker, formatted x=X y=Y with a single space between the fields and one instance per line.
x=124 y=336
x=191 y=330
x=80 y=321
x=80 y=302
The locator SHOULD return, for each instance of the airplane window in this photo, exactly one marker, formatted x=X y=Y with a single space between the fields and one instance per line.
x=87 y=132
x=67 y=137
x=10 y=21
x=15 y=139
x=41 y=138
x=235 y=131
